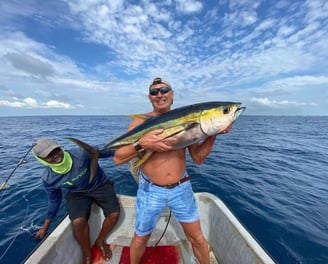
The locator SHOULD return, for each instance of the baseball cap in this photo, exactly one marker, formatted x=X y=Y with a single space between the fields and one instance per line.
x=44 y=146
x=159 y=80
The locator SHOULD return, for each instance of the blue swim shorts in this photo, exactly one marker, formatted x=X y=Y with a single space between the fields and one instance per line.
x=152 y=199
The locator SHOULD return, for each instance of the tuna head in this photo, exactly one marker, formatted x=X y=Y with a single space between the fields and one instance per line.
x=212 y=118
x=217 y=119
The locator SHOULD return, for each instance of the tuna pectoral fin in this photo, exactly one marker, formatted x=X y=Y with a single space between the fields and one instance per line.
x=168 y=132
x=93 y=152
x=174 y=130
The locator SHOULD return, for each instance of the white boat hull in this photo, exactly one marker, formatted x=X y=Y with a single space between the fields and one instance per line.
x=229 y=241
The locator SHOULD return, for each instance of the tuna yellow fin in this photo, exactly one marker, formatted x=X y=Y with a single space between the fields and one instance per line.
x=134 y=169
x=140 y=116
x=144 y=157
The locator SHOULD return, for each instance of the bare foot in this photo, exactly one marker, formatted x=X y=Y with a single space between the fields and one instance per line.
x=87 y=260
x=105 y=251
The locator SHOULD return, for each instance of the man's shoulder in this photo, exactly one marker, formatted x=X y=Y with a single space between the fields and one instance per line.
x=77 y=152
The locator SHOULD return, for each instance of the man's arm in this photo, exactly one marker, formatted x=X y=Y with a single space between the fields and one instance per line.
x=199 y=152
x=125 y=153
x=53 y=206
x=149 y=141
x=42 y=231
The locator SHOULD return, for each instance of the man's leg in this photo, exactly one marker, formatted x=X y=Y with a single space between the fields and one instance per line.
x=137 y=248
x=106 y=198
x=107 y=226
x=150 y=202
x=81 y=234
x=199 y=244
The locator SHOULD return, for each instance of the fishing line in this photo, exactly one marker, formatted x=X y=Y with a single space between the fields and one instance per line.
x=4 y=185
x=24 y=222
x=14 y=238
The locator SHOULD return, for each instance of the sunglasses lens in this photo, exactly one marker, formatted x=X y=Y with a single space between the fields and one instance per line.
x=153 y=91
x=163 y=90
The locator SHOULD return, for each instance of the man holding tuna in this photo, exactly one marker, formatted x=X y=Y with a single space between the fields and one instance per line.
x=164 y=181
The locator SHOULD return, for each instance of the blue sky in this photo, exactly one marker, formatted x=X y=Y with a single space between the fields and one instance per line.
x=98 y=57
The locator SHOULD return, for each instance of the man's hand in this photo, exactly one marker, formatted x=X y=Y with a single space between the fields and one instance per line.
x=227 y=130
x=153 y=141
x=41 y=233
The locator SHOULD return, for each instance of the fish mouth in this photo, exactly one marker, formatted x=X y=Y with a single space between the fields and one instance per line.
x=239 y=111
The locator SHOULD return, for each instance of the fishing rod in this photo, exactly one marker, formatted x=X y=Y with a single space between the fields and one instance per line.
x=20 y=162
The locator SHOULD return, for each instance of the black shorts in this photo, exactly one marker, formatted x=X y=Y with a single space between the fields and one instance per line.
x=78 y=204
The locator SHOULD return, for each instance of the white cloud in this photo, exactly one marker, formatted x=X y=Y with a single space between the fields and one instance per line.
x=277 y=104
x=56 y=104
x=189 y=6
x=110 y=50
x=32 y=103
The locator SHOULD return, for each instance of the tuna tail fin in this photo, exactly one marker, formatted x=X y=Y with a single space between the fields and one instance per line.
x=93 y=152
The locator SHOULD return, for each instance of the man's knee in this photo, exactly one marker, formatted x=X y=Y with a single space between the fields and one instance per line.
x=114 y=216
x=197 y=239
x=79 y=224
x=80 y=221
x=139 y=241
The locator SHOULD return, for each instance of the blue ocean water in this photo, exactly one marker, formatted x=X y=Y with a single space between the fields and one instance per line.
x=270 y=171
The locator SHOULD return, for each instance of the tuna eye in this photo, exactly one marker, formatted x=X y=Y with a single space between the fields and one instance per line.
x=226 y=110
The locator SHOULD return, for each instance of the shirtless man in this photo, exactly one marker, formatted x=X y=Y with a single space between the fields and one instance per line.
x=164 y=181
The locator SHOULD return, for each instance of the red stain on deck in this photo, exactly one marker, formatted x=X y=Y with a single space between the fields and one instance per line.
x=97 y=258
x=158 y=255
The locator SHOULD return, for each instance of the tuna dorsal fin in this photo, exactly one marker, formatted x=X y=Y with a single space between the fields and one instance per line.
x=93 y=152
x=140 y=116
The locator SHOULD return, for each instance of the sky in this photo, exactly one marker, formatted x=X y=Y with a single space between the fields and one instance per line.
x=98 y=57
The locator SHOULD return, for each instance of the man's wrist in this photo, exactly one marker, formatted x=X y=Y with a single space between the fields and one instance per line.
x=138 y=147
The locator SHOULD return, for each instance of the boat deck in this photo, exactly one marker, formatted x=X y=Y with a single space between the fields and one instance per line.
x=229 y=241
x=159 y=255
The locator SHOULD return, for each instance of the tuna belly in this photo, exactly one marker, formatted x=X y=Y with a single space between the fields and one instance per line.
x=189 y=137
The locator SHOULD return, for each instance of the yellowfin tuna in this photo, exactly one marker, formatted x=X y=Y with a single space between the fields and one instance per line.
x=189 y=124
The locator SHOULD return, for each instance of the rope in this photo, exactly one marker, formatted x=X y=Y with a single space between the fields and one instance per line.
x=145 y=257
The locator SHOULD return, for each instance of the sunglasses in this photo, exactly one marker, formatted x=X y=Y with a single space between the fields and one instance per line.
x=163 y=90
